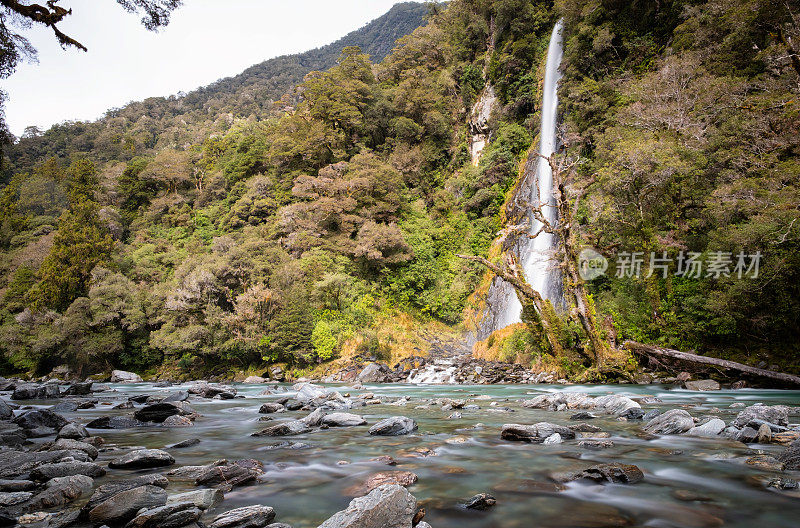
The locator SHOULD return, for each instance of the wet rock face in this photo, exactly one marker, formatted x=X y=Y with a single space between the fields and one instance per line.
x=373 y=373
x=142 y=459
x=62 y=490
x=481 y=501
x=773 y=414
x=122 y=376
x=158 y=412
x=394 y=426
x=616 y=473
x=67 y=469
x=675 y=421
x=290 y=428
x=535 y=433
x=169 y=516
x=247 y=517
x=123 y=506
x=388 y=506
x=40 y=418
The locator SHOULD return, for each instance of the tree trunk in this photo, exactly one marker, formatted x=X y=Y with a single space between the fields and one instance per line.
x=651 y=350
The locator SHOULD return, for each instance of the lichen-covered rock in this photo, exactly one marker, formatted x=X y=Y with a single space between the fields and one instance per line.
x=535 y=433
x=387 y=506
x=674 y=421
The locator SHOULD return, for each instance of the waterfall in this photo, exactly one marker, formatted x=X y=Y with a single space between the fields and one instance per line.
x=536 y=255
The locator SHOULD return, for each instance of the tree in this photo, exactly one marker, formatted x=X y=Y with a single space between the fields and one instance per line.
x=16 y=15
x=171 y=168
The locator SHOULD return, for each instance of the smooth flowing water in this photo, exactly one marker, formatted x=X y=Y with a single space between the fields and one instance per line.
x=467 y=456
x=536 y=256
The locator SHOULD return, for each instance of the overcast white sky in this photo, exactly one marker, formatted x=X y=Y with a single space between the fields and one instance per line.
x=205 y=41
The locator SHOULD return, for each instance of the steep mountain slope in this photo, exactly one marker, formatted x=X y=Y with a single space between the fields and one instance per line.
x=158 y=122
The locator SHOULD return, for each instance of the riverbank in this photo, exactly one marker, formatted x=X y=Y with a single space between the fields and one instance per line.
x=543 y=455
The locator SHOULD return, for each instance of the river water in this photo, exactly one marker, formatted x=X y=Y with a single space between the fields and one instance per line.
x=306 y=486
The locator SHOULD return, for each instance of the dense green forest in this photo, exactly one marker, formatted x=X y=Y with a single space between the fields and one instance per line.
x=252 y=222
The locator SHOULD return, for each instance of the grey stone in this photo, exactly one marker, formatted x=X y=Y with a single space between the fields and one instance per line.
x=168 y=516
x=106 y=491
x=158 y=412
x=394 y=426
x=40 y=418
x=702 y=385
x=177 y=421
x=373 y=373
x=184 y=443
x=535 y=433
x=115 y=422
x=203 y=499
x=290 y=428
x=247 y=517
x=775 y=414
x=13 y=498
x=340 y=419
x=553 y=439
x=711 y=428
x=615 y=404
x=6 y=412
x=616 y=473
x=271 y=407
x=747 y=435
x=68 y=444
x=791 y=456
x=228 y=474
x=122 y=376
x=73 y=431
x=142 y=458
x=314 y=418
x=66 y=469
x=16 y=485
x=62 y=490
x=387 y=506
x=481 y=501
x=123 y=506
x=674 y=421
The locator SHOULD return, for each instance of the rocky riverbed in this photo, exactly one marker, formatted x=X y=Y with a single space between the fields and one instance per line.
x=367 y=455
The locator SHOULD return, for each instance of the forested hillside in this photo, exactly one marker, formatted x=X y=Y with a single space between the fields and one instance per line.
x=218 y=231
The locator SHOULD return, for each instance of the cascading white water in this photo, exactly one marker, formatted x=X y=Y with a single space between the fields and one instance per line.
x=536 y=256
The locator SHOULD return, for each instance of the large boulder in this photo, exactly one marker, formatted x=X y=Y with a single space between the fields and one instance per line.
x=235 y=474
x=616 y=473
x=535 y=433
x=271 y=407
x=67 y=469
x=142 y=459
x=387 y=506
x=394 y=426
x=73 y=431
x=168 y=516
x=791 y=456
x=674 y=421
x=247 y=517
x=615 y=404
x=36 y=418
x=711 y=428
x=123 y=506
x=701 y=385
x=106 y=491
x=341 y=419
x=67 y=444
x=61 y=491
x=32 y=391
x=773 y=414
x=115 y=422
x=203 y=498
x=157 y=412
x=79 y=389
x=6 y=412
x=289 y=428
x=373 y=373
x=121 y=376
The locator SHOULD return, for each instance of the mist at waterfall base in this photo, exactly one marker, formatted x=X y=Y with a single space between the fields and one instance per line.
x=536 y=255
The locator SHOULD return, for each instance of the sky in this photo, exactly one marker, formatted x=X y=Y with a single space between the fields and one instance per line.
x=206 y=40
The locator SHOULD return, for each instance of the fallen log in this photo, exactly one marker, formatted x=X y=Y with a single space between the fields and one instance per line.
x=652 y=350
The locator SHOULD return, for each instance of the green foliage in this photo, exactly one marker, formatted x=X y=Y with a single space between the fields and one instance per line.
x=323 y=341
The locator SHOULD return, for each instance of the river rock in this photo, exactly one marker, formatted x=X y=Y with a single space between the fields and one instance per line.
x=228 y=474
x=72 y=431
x=701 y=385
x=595 y=444
x=16 y=485
x=617 y=473
x=271 y=407
x=203 y=499
x=247 y=517
x=31 y=391
x=481 y=501
x=340 y=419
x=79 y=389
x=553 y=439
x=290 y=428
x=583 y=415
x=394 y=426
x=62 y=490
x=387 y=506
x=674 y=421
x=115 y=422
x=765 y=462
x=190 y=442
x=255 y=379
x=177 y=396
x=535 y=433
x=790 y=457
x=106 y=491
x=36 y=418
x=615 y=404
x=373 y=373
x=775 y=414
x=6 y=412
x=309 y=393
x=11 y=434
x=66 y=469
x=709 y=429
x=123 y=506
x=168 y=516
x=401 y=478
x=67 y=444
x=121 y=376
x=158 y=412
x=142 y=459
